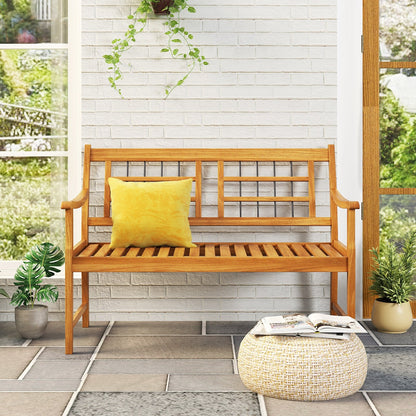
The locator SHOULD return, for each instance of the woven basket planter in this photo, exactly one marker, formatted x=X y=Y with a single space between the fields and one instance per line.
x=300 y=368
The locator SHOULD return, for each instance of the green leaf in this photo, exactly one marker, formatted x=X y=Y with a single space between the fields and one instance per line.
x=191 y=9
x=176 y=40
x=164 y=50
x=4 y=293
x=47 y=255
x=175 y=51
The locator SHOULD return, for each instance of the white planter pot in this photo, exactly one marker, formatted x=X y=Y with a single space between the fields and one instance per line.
x=31 y=322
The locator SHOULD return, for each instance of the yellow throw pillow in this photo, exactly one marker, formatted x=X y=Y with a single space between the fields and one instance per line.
x=147 y=214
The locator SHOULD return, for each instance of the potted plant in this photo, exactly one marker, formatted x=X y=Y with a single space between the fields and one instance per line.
x=179 y=40
x=43 y=260
x=393 y=281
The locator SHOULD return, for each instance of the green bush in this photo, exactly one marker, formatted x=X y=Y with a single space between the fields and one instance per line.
x=25 y=206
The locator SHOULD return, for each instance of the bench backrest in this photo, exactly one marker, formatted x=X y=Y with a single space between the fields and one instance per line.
x=246 y=186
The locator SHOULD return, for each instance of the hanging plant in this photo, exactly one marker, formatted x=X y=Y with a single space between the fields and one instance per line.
x=179 y=40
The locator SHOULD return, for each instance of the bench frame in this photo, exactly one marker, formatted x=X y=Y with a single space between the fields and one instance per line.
x=332 y=256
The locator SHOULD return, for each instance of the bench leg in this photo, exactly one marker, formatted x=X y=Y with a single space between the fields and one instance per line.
x=351 y=289
x=69 y=309
x=85 y=299
x=334 y=292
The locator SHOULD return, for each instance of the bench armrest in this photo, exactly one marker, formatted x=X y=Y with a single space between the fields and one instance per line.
x=77 y=202
x=342 y=202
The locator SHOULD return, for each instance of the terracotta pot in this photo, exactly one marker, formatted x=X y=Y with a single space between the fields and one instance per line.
x=392 y=318
x=161 y=6
x=31 y=322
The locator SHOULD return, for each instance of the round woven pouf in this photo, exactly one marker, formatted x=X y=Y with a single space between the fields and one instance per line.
x=301 y=368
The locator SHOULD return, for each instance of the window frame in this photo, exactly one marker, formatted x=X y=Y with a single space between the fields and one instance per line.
x=73 y=153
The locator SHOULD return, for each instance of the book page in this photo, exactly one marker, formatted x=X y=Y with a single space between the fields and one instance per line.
x=287 y=324
x=335 y=323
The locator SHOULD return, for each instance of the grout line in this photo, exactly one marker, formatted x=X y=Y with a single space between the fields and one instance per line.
x=235 y=366
x=31 y=364
x=26 y=343
x=371 y=404
x=372 y=335
x=167 y=382
x=262 y=404
x=204 y=328
x=85 y=374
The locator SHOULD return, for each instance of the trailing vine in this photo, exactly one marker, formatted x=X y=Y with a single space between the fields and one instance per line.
x=179 y=41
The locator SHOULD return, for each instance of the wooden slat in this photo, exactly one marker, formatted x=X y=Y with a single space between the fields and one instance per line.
x=398 y=64
x=270 y=251
x=237 y=221
x=164 y=252
x=103 y=251
x=209 y=250
x=300 y=250
x=118 y=252
x=240 y=251
x=266 y=198
x=198 y=189
x=255 y=250
x=148 y=252
x=311 y=190
x=153 y=178
x=77 y=315
x=266 y=179
x=89 y=250
x=397 y=191
x=107 y=189
x=194 y=252
x=133 y=252
x=86 y=185
x=284 y=250
x=332 y=189
x=209 y=155
x=329 y=250
x=220 y=189
x=225 y=250
x=314 y=250
x=179 y=252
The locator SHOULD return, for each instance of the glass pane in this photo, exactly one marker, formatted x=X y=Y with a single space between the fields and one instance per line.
x=397 y=128
x=31 y=190
x=397 y=216
x=33 y=118
x=33 y=100
x=33 y=21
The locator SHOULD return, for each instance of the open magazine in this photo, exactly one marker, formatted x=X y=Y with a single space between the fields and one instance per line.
x=313 y=323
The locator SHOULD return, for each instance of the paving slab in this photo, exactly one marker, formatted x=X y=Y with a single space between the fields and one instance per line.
x=390 y=368
x=397 y=404
x=206 y=382
x=39 y=385
x=167 y=347
x=13 y=360
x=408 y=338
x=130 y=328
x=352 y=405
x=57 y=370
x=125 y=382
x=33 y=404
x=83 y=337
x=58 y=353
x=9 y=335
x=229 y=327
x=162 y=366
x=166 y=404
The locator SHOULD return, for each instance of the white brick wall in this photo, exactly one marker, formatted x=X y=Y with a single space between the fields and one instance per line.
x=271 y=82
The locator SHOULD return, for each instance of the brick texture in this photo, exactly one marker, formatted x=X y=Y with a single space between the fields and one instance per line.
x=270 y=82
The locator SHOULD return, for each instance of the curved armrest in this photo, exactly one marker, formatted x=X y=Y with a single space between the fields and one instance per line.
x=77 y=202
x=343 y=202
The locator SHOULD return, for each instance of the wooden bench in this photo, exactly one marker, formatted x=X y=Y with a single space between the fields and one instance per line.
x=218 y=175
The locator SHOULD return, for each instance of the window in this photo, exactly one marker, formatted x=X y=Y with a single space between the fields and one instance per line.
x=33 y=123
x=389 y=126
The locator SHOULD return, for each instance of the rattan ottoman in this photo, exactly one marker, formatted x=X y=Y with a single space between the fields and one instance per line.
x=301 y=368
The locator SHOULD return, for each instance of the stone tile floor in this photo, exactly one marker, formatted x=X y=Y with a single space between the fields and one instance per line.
x=178 y=369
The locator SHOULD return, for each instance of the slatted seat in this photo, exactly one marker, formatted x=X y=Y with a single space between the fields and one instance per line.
x=245 y=196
